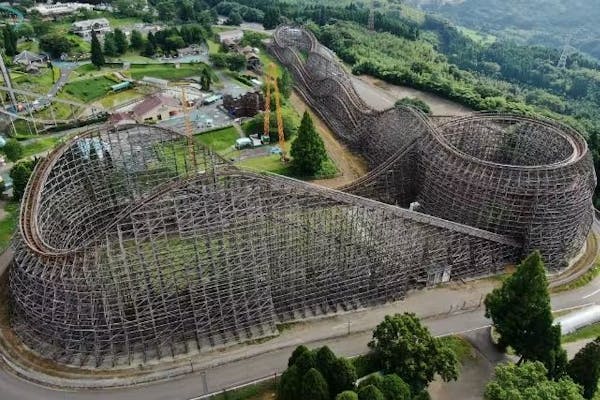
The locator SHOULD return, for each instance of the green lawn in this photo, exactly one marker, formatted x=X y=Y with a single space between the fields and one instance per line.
x=462 y=348
x=38 y=83
x=88 y=89
x=259 y=391
x=165 y=71
x=132 y=57
x=213 y=47
x=40 y=146
x=220 y=140
x=32 y=46
x=114 y=99
x=588 y=332
x=270 y=163
x=8 y=224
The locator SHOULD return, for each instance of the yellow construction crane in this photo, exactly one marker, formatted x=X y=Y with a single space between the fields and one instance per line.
x=189 y=132
x=271 y=80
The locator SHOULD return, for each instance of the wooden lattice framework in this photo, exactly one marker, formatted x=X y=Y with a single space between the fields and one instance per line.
x=130 y=249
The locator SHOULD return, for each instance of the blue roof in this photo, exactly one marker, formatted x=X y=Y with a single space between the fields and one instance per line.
x=122 y=85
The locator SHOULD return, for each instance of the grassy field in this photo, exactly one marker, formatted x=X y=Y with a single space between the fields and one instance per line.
x=40 y=146
x=165 y=71
x=270 y=163
x=32 y=46
x=588 y=332
x=114 y=99
x=38 y=83
x=213 y=47
x=88 y=89
x=132 y=57
x=220 y=140
x=260 y=391
x=8 y=224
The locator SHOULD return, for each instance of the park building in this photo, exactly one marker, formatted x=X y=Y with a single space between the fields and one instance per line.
x=85 y=28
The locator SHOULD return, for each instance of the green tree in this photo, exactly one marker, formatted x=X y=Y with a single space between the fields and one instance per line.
x=529 y=381
x=97 y=54
x=110 y=48
x=290 y=384
x=137 y=40
x=347 y=395
x=521 y=314
x=13 y=150
x=325 y=363
x=394 y=388
x=374 y=379
x=370 y=392
x=150 y=47
x=10 y=40
x=271 y=19
x=121 y=43
x=342 y=376
x=298 y=351
x=405 y=347
x=236 y=62
x=416 y=103
x=584 y=368
x=234 y=18
x=166 y=10
x=20 y=174
x=25 y=30
x=308 y=150
x=284 y=82
x=306 y=361
x=55 y=44
x=314 y=386
x=205 y=79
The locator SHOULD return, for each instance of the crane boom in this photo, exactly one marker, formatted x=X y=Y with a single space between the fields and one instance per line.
x=271 y=81
x=188 y=130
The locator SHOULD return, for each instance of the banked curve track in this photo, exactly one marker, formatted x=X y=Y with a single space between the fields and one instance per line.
x=133 y=248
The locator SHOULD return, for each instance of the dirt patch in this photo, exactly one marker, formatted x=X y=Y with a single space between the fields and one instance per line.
x=350 y=165
x=381 y=95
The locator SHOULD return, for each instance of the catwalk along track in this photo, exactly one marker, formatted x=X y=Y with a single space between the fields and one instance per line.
x=138 y=244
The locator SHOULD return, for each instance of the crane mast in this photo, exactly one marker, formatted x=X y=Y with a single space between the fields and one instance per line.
x=271 y=81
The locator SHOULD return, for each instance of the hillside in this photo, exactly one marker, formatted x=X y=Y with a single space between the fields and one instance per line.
x=545 y=22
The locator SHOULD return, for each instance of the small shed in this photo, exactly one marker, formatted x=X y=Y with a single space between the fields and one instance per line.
x=120 y=86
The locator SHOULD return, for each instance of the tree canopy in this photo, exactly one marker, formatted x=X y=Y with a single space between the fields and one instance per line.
x=584 y=368
x=97 y=53
x=529 y=382
x=405 y=347
x=308 y=150
x=521 y=313
x=13 y=150
x=20 y=174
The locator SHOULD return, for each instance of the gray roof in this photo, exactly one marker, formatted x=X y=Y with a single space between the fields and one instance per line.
x=27 y=57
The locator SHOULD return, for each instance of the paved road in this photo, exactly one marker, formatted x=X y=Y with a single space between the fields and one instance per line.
x=228 y=375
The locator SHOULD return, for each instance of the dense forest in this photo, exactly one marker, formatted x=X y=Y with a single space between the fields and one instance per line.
x=545 y=22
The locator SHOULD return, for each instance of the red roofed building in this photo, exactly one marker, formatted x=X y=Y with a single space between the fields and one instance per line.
x=157 y=107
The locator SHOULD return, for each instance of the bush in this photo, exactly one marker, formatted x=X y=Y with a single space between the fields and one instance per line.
x=394 y=388
x=314 y=386
x=374 y=379
x=13 y=150
x=290 y=385
x=347 y=395
x=416 y=103
x=370 y=392
x=298 y=351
